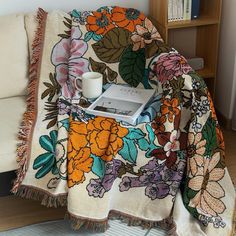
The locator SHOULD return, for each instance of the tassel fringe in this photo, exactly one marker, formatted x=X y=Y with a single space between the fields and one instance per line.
x=28 y=122
x=102 y=225
x=49 y=200
x=44 y=197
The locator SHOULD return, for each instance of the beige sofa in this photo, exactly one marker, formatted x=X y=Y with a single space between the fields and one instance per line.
x=14 y=61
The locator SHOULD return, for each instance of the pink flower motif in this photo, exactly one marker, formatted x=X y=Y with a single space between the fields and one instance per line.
x=169 y=65
x=67 y=57
x=145 y=35
x=173 y=145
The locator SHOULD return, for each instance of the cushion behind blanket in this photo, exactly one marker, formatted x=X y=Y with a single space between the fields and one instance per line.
x=14 y=56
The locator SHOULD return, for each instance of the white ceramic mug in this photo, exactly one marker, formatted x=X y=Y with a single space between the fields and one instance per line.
x=91 y=84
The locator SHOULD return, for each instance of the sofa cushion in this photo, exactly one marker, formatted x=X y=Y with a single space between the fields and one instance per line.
x=14 y=56
x=12 y=110
x=30 y=27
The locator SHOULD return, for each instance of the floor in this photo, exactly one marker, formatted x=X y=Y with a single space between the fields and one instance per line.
x=63 y=228
x=16 y=212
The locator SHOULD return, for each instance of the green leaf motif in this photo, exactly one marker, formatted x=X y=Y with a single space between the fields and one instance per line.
x=64 y=36
x=209 y=134
x=98 y=167
x=111 y=74
x=132 y=66
x=108 y=74
x=155 y=48
x=52 y=113
x=53 y=88
x=110 y=48
x=97 y=66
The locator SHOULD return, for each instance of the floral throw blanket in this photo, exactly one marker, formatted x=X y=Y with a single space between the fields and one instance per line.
x=167 y=170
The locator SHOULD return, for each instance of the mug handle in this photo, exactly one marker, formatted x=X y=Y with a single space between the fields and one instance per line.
x=77 y=87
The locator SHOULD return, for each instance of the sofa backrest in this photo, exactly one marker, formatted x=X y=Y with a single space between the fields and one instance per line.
x=14 y=56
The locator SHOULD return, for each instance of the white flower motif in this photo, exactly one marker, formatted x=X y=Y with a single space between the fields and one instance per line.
x=173 y=145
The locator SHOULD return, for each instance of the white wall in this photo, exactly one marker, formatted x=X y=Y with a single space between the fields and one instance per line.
x=13 y=6
x=226 y=76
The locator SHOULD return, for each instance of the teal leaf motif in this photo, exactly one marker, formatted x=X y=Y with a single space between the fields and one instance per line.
x=46 y=162
x=53 y=136
x=135 y=134
x=88 y=36
x=65 y=123
x=143 y=144
x=75 y=13
x=55 y=170
x=46 y=143
x=45 y=169
x=129 y=151
x=148 y=145
x=96 y=37
x=132 y=66
x=151 y=133
x=42 y=159
x=98 y=167
x=145 y=80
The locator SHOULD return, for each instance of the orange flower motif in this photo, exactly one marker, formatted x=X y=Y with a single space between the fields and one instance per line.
x=99 y=22
x=127 y=18
x=78 y=164
x=170 y=108
x=100 y=136
x=213 y=112
x=105 y=137
x=77 y=136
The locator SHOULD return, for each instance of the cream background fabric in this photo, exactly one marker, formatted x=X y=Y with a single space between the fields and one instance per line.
x=11 y=110
x=14 y=56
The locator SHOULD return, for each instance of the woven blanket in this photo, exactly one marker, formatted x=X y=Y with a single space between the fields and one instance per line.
x=167 y=170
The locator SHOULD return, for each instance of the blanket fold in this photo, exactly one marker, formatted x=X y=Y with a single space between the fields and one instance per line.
x=165 y=171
